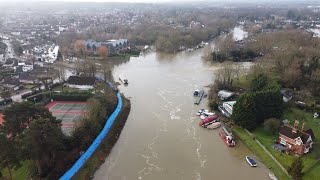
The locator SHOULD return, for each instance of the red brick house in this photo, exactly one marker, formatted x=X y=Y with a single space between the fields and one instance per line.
x=296 y=141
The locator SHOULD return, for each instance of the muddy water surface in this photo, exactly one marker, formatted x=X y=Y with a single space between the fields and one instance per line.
x=161 y=139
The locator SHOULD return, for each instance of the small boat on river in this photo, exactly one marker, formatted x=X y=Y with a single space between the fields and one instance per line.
x=251 y=162
x=123 y=80
x=199 y=97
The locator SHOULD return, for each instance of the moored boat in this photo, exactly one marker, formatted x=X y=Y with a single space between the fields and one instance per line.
x=214 y=125
x=227 y=130
x=228 y=140
x=206 y=114
x=251 y=162
x=123 y=80
x=209 y=119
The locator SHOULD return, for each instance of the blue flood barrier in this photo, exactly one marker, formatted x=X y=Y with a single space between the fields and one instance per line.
x=85 y=156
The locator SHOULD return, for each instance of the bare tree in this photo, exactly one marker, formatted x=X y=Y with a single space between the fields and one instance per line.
x=80 y=48
x=103 y=52
x=60 y=71
x=226 y=75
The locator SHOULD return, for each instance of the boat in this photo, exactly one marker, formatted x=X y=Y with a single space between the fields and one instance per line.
x=227 y=131
x=123 y=80
x=199 y=113
x=272 y=176
x=251 y=162
x=228 y=140
x=206 y=114
x=199 y=97
x=209 y=119
x=196 y=92
x=214 y=125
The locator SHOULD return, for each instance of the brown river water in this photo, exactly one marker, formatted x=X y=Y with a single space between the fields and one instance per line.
x=161 y=139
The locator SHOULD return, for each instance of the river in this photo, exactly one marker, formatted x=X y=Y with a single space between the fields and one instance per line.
x=162 y=139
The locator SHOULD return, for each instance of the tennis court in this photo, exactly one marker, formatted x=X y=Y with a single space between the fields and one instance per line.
x=70 y=112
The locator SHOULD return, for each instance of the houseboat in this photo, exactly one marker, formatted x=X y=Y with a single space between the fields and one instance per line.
x=228 y=140
x=123 y=80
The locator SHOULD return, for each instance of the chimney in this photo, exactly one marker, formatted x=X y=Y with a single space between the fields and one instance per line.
x=296 y=124
x=302 y=128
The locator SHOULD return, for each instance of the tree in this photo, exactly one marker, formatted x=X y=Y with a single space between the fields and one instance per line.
x=18 y=116
x=9 y=156
x=267 y=97
x=80 y=47
x=96 y=111
x=244 y=112
x=5 y=93
x=30 y=132
x=103 y=52
x=272 y=125
x=226 y=75
x=295 y=170
x=60 y=72
x=259 y=82
x=42 y=141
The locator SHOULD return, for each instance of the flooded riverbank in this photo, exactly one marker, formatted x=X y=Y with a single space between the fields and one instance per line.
x=161 y=138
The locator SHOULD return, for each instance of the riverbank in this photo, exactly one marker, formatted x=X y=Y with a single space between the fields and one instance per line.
x=257 y=150
x=311 y=163
x=99 y=156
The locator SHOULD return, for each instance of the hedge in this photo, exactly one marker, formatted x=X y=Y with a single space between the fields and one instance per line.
x=71 y=96
x=37 y=97
x=24 y=96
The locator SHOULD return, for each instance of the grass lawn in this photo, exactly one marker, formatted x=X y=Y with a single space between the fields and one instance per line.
x=267 y=139
x=257 y=150
x=59 y=88
x=20 y=173
x=30 y=86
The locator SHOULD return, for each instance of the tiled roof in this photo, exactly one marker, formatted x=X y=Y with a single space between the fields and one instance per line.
x=288 y=132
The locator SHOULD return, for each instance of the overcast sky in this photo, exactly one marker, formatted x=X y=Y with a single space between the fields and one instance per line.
x=150 y=1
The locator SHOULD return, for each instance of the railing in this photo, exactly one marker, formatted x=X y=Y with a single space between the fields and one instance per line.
x=85 y=156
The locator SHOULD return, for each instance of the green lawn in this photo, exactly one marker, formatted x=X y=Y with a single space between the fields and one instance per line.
x=267 y=139
x=60 y=88
x=257 y=150
x=20 y=173
x=30 y=86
